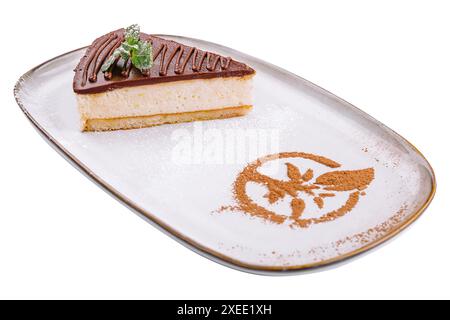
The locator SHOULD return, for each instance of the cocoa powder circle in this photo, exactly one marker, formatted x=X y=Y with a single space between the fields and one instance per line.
x=334 y=181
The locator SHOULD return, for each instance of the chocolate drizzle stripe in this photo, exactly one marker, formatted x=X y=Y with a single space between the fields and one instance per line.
x=93 y=76
x=113 y=45
x=100 y=56
x=225 y=65
x=169 y=61
x=158 y=52
x=116 y=45
x=176 y=69
x=180 y=70
x=162 y=51
x=197 y=67
x=89 y=60
x=126 y=68
x=108 y=75
x=209 y=66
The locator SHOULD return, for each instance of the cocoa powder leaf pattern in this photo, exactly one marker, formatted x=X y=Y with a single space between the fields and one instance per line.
x=293 y=172
x=327 y=195
x=297 y=206
x=309 y=174
x=319 y=202
x=346 y=180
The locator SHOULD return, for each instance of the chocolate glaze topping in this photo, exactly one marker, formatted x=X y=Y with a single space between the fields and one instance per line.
x=172 y=61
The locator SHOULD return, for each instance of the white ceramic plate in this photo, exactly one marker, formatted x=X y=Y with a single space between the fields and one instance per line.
x=182 y=177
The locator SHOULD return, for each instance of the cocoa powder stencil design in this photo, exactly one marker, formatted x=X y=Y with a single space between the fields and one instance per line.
x=300 y=183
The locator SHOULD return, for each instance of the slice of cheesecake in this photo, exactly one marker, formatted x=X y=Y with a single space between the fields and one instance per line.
x=182 y=84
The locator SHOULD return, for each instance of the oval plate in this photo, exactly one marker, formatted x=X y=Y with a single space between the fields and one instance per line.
x=303 y=181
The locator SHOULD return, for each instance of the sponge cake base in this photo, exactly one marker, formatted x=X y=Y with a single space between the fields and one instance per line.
x=158 y=119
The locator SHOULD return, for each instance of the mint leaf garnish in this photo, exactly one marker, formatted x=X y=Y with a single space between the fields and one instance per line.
x=140 y=52
x=109 y=62
x=142 y=58
x=132 y=34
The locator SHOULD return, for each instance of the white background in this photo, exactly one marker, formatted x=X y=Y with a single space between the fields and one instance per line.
x=63 y=237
